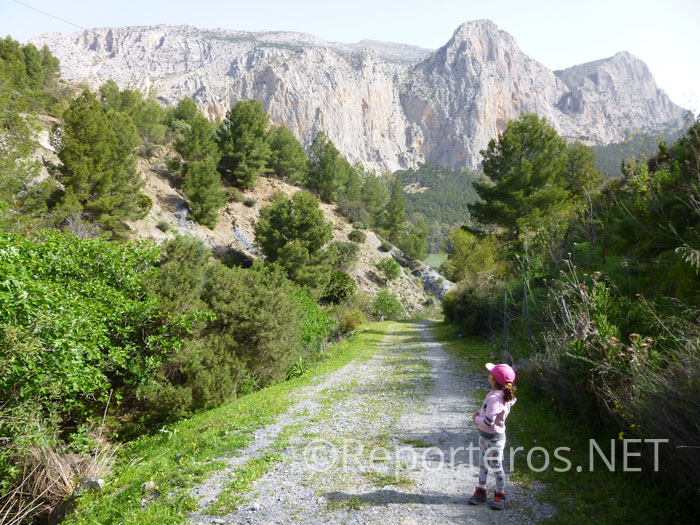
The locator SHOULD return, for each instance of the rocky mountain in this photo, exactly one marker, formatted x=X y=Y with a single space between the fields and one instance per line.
x=387 y=105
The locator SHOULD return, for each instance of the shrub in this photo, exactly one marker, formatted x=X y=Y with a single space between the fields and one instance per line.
x=388 y=306
x=467 y=305
x=390 y=268
x=361 y=225
x=340 y=286
x=163 y=226
x=316 y=326
x=253 y=339
x=345 y=253
x=351 y=318
x=385 y=246
x=357 y=236
x=235 y=195
x=250 y=202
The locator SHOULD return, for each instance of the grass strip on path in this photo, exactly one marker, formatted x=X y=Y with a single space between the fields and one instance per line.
x=600 y=496
x=182 y=455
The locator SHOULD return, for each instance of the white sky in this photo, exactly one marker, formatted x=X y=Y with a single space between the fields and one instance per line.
x=663 y=33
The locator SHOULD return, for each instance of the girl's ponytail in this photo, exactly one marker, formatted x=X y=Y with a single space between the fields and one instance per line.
x=508 y=391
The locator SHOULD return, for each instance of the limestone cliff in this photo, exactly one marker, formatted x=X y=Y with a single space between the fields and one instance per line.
x=386 y=105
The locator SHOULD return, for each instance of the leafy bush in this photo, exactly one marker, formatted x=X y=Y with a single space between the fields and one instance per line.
x=163 y=226
x=389 y=267
x=340 y=286
x=250 y=202
x=388 y=306
x=317 y=324
x=75 y=314
x=357 y=236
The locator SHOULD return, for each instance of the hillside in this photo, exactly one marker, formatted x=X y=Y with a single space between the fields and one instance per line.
x=234 y=233
x=389 y=106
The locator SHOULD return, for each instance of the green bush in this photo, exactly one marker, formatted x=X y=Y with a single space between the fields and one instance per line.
x=345 y=254
x=388 y=306
x=317 y=325
x=250 y=202
x=340 y=286
x=253 y=337
x=357 y=236
x=163 y=226
x=235 y=195
x=351 y=318
x=390 y=268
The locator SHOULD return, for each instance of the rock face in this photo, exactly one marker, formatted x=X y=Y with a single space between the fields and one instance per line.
x=387 y=105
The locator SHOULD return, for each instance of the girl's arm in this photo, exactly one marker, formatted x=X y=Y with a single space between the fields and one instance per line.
x=487 y=416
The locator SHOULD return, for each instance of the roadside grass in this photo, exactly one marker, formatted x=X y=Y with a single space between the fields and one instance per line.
x=182 y=455
x=599 y=496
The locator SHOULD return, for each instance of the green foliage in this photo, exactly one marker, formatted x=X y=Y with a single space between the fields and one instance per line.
x=611 y=157
x=329 y=172
x=375 y=196
x=357 y=236
x=203 y=191
x=525 y=166
x=339 y=287
x=387 y=306
x=439 y=196
x=291 y=232
x=253 y=336
x=182 y=275
x=350 y=319
x=343 y=255
x=412 y=239
x=317 y=324
x=146 y=114
x=98 y=165
x=242 y=141
x=75 y=314
x=475 y=259
x=287 y=158
x=194 y=133
x=30 y=74
x=395 y=208
x=250 y=202
x=390 y=268
x=163 y=226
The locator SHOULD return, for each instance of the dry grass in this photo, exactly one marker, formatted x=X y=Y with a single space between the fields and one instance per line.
x=49 y=477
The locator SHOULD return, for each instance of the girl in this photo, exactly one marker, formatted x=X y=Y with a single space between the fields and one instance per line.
x=490 y=420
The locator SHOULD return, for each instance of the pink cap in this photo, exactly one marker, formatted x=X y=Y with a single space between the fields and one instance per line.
x=504 y=374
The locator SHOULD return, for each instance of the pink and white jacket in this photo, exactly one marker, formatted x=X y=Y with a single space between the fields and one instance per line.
x=493 y=413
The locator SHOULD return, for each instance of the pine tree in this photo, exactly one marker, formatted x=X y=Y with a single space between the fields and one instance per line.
x=395 y=208
x=525 y=165
x=203 y=191
x=243 y=143
x=288 y=159
x=328 y=170
x=98 y=165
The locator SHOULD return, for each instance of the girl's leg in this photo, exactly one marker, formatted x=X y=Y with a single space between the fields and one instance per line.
x=483 y=469
x=495 y=461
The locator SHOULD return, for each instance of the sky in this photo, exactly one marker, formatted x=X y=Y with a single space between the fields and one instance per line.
x=663 y=33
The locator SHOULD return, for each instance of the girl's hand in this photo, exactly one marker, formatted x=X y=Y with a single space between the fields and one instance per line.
x=476 y=413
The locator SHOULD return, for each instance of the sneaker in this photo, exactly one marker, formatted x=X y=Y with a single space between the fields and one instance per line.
x=479 y=497
x=499 y=501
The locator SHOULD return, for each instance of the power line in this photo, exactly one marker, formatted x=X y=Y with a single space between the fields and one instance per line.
x=57 y=18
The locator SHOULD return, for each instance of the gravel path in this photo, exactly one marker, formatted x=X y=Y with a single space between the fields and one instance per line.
x=380 y=441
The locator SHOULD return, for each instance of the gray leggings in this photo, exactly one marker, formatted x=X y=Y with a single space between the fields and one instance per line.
x=494 y=461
